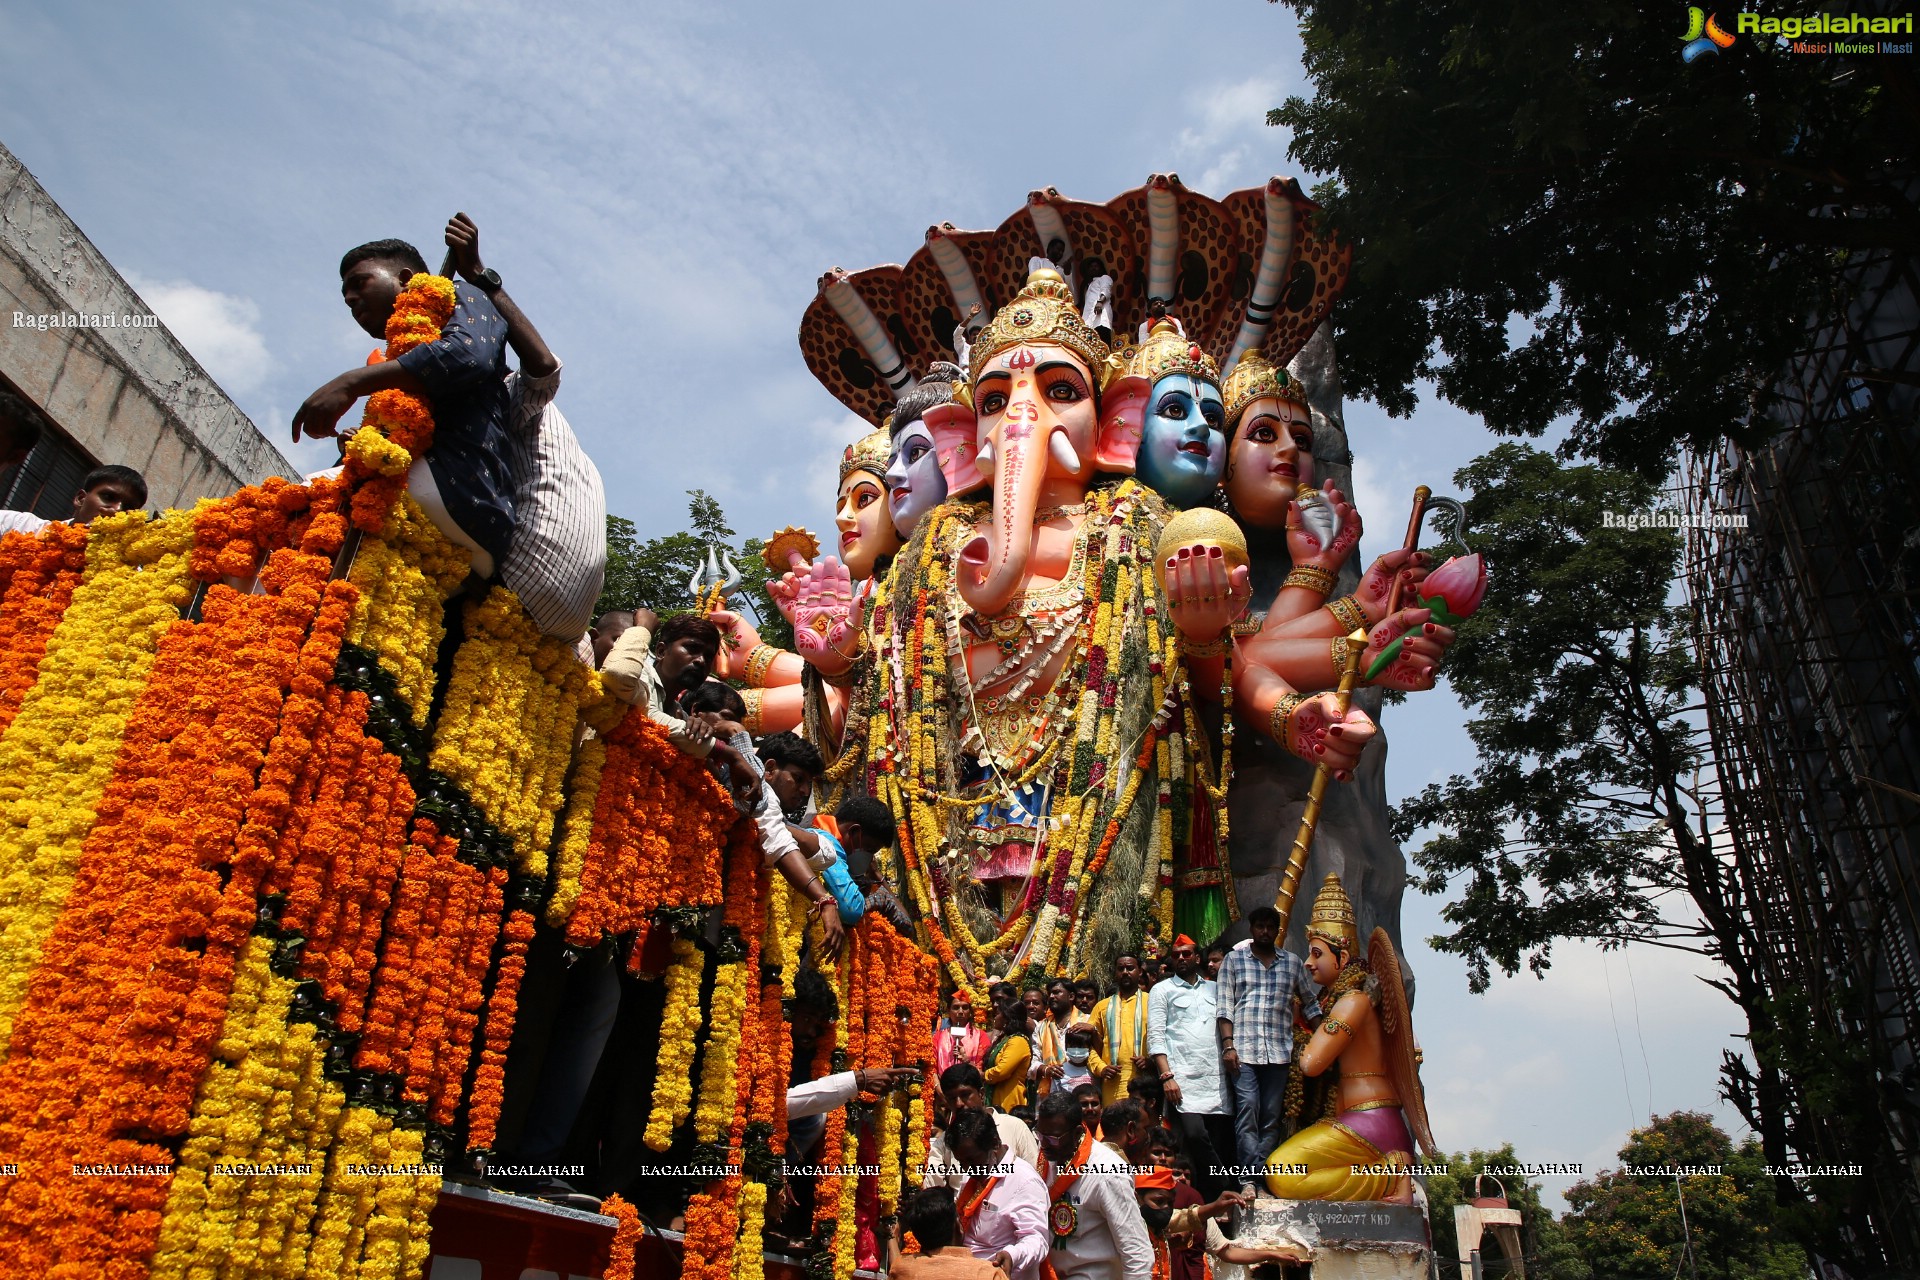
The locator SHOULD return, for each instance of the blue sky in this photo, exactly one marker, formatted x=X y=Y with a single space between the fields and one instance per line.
x=662 y=186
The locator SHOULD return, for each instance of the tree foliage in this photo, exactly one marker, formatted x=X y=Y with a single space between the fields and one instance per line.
x=655 y=572
x=1549 y=1255
x=1555 y=216
x=1580 y=819
x=1630 y=1224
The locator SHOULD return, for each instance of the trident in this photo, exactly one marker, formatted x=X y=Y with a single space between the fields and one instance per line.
x=713 y=582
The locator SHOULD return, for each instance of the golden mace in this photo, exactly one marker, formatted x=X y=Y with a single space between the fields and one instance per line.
x=1356 y=645
x=1297 y=860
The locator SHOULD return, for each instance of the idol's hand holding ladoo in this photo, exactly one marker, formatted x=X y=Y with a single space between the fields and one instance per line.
x=1206 y=591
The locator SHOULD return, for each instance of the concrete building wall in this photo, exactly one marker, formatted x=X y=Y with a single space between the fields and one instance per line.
x=125 y=394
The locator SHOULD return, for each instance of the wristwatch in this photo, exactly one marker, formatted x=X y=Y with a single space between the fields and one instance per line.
x=488 y=281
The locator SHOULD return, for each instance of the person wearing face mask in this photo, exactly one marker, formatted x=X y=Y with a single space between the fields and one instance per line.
x=1075 y=1069
x=1094 y=1219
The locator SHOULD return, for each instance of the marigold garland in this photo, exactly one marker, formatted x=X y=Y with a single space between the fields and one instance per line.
x=659 y=823
x=38 y=573
x=505 y=728
x=576 y=827
x=679 y=1028
x=405 y=575
x=626 y=1237
x=55 y=763
x=489 y=1081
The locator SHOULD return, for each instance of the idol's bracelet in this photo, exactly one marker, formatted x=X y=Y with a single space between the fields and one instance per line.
x=1249 y=625
x=758 y=662
x=1341 y=648
x=756 y=707
x=1347 y=609
x=1212 y=649
x=1282 y=711
x=1331 y=1025
x=1313 y=578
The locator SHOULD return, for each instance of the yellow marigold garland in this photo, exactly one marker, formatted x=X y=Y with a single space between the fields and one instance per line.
x=405 y=575
x=679 y=1028
x=570 y=859
x=55 y=761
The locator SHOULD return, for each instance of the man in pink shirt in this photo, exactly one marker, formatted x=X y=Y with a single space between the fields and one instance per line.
x=1003 y=1206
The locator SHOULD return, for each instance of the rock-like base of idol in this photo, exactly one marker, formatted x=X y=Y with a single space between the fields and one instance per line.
x=1349 y=1239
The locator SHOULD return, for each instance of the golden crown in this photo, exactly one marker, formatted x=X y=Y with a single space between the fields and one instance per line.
x=1253 y=377
x=869 y=453
x=1332 y=919
x=1166 y=351
x=1043 y=311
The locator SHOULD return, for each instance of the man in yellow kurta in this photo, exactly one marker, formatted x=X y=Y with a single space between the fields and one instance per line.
x=1121 y=1019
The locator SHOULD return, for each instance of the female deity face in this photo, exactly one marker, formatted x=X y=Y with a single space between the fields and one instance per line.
x=1183 y=447
x=866 y=534
x=915 y=485
x=1272 y=455
x=1323 y=962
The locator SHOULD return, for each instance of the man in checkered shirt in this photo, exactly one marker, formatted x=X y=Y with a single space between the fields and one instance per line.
x=1258 y=985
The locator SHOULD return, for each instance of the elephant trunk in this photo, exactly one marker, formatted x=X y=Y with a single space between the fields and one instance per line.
x=994 y=562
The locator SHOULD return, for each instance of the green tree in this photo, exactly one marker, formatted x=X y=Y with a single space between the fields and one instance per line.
x=1548 y=1253
x=1581 y=819
x=1555 y=216
x=1590 y=813
x=1629 y=1222
x=655 y=572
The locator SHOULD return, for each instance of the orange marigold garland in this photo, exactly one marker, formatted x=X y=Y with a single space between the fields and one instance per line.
x=483 y=1107
x=658 y=828
x=626 y=1238
x=397 y=426
x=38 y=573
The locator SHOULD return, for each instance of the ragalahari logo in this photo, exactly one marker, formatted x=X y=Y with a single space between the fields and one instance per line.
x=1704 y=34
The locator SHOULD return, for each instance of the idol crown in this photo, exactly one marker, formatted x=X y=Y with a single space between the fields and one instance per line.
x=1252 y=378
x=1333 y=918
x=1168 y=351
x=1043 y=311
x=869 y=453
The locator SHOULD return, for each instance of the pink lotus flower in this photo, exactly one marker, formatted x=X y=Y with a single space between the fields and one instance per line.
x=1455 y=589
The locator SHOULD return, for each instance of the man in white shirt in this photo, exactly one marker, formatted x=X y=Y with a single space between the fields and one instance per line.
x=964 y=1088
x=1184 y=1041
x=1092 y=1214
x=1002 y=1204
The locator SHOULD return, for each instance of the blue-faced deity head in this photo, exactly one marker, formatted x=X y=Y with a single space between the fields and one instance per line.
x=1183 y=440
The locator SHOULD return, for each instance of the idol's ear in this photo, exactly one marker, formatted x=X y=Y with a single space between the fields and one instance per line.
x=953 y=429
x=1122 y=414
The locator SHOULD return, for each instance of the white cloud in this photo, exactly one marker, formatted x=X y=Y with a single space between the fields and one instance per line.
x=1231 y=140
x=221 y=330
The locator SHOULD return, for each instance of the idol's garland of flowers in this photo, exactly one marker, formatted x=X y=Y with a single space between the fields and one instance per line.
x=397 y=426
x=1108 y=714
x=576 y=830
x=225 y=768
x=265 y=1101
x=888 y=989
x=737 y=960
x=104 y=1049
x=37 y=578
x=679 y=1030
x=57 y=755
x=660 y=820
x=405 y=577
x=626 y=1238
x=505 y=729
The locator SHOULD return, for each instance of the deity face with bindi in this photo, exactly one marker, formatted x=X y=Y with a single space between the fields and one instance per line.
x=867 y=535
x=1270 y=447
x=1183 y=446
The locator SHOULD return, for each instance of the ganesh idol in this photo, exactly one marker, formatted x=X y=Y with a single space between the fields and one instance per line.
x=1024 y=652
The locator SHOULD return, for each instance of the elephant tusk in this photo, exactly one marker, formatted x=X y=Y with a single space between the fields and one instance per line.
x=1061 y=449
